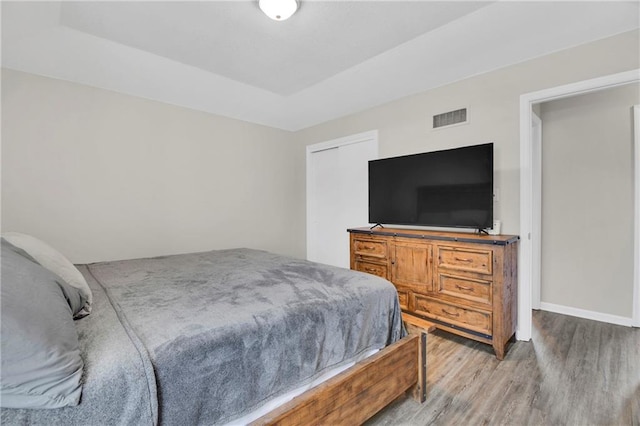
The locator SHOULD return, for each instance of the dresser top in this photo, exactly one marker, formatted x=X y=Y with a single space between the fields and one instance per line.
x=465 y=237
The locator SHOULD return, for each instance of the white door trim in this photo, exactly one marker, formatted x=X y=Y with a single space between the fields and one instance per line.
x=371 y=135
x=346 y=140
x=528 y=229
x=635 y=320
x=536 y=244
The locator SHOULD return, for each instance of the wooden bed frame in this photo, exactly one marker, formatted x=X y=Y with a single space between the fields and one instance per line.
x=355 y=395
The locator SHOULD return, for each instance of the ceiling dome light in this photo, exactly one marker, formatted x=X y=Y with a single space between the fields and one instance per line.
x=278 y=10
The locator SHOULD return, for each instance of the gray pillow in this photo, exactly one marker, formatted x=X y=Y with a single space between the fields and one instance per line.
x=53 y=260
x=41 y=363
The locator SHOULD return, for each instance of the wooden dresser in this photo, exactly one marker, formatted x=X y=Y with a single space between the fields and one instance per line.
x=465 y=283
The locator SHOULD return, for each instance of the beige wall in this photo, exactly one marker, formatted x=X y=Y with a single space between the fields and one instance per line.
x=587 y=201
x=492 y=100
x=108 y=176
x=102 y=175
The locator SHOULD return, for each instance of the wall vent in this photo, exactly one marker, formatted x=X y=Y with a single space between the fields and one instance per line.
x=450 y=118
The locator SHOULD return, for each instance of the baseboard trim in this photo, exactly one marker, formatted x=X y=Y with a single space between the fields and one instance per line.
x=582 y=313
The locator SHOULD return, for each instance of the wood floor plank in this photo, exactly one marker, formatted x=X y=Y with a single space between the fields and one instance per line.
x=573 y=372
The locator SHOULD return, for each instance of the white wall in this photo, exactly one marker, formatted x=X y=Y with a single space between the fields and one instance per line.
x=492 y=100
x=587 y=201
x=103 y=176
x=108 y=176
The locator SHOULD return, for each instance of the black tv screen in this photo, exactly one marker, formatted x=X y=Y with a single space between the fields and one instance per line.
x=450 y=188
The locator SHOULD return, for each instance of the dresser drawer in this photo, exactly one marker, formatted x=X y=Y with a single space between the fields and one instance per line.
x=370 y=248
x=403 y=298
x=465 y=288
x=371 y=268
x=470 y=319
x=463 y=259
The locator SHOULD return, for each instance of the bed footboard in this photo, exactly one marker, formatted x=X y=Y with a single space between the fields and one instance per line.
x=419 y=327
x=358 y=393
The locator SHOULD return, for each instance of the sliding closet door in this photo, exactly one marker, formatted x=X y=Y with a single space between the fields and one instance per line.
x=337 y=195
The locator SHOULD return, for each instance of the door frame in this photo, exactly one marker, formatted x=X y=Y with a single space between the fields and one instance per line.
x=536 y=244
x=371 y=135
x=529 y=229
x=635 y=321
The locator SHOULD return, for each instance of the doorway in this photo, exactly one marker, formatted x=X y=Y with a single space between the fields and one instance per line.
x=530 y=230
x=337 y=194
x=587 y=205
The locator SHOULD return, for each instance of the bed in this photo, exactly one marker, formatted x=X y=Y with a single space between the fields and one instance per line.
x=219 y=337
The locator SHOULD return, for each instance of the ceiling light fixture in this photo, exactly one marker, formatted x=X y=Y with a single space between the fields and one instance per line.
x=278 y=10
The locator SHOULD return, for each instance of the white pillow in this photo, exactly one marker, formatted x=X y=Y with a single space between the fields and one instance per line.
x=54 y=261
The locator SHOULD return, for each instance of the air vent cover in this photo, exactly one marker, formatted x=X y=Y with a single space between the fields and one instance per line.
x=449 y=118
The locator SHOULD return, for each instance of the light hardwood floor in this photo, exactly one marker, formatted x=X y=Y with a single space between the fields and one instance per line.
x=573 y=372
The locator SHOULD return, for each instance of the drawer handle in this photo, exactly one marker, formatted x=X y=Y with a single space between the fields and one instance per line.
x=369 y=248
x=456 y=314
x=369 y=269
x=463 y=259
x=461 y=287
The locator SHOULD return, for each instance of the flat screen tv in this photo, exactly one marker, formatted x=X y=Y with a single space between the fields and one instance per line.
x=450 y=188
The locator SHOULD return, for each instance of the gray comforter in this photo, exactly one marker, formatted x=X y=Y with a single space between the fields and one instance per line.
x=204 y=338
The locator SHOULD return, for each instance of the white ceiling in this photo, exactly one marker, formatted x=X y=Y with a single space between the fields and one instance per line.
x=330 y=59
